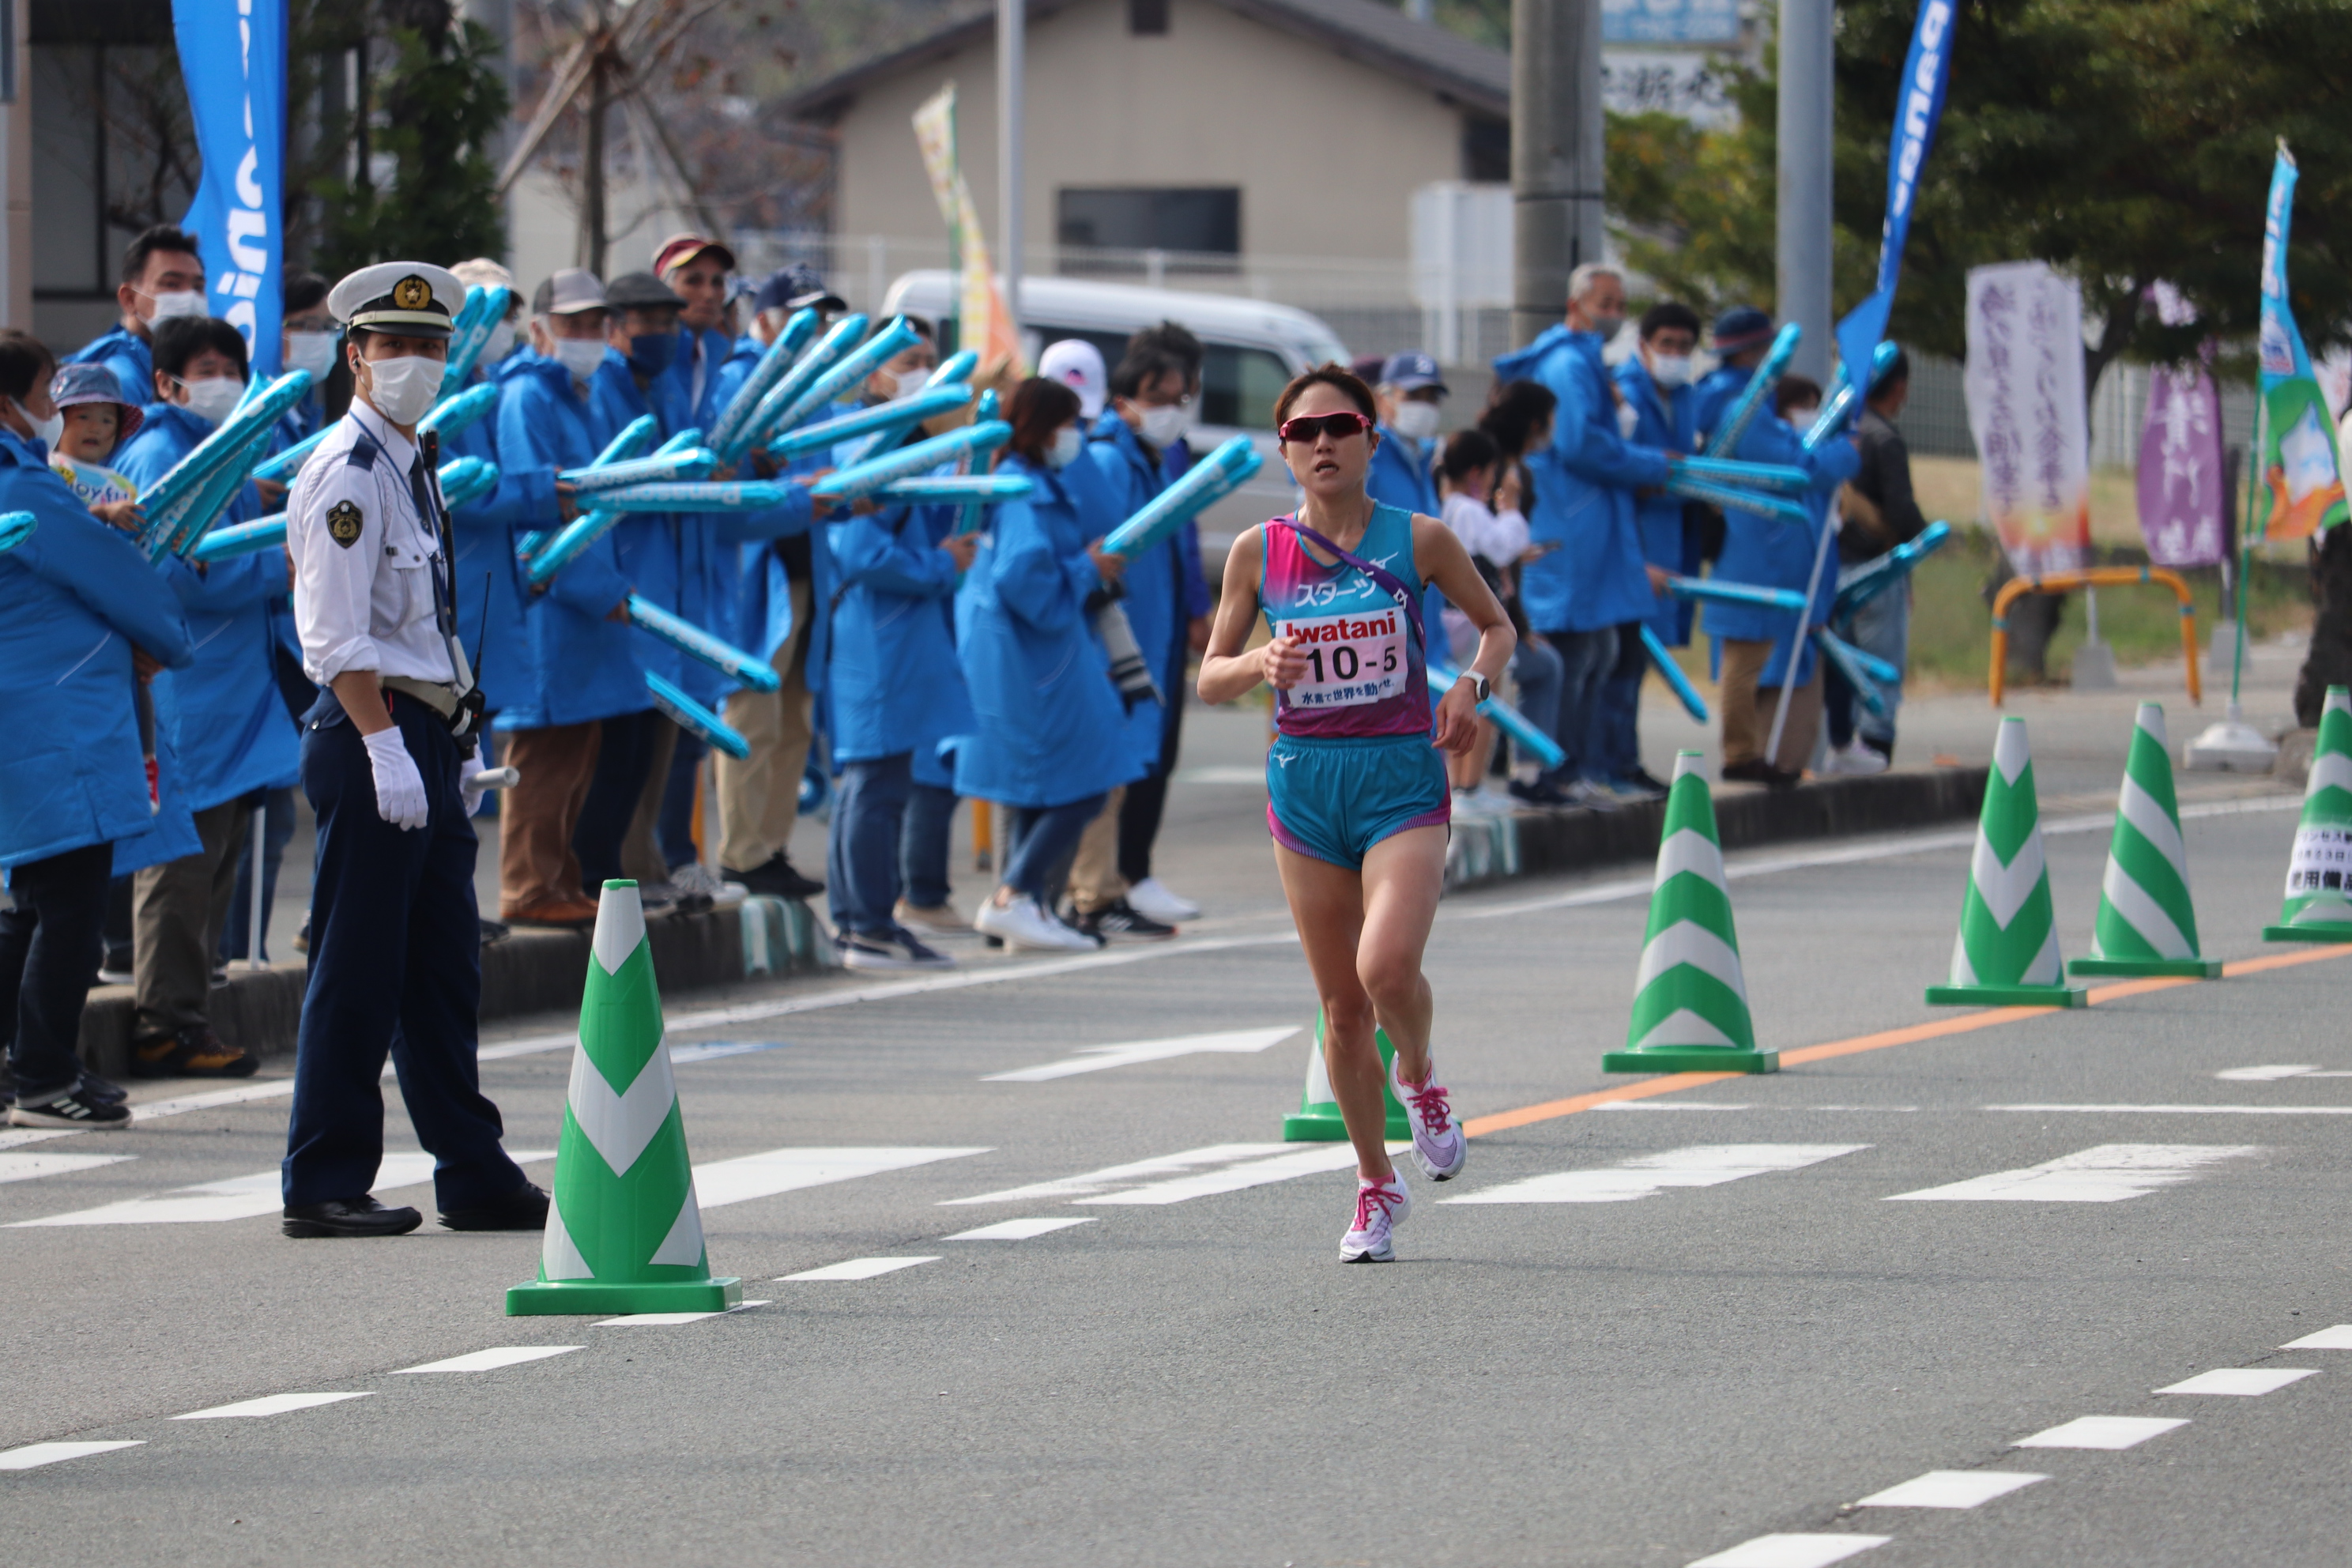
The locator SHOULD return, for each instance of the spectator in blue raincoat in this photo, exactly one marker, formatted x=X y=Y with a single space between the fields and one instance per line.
x=583 y=664
x=1752 y=642
x=1741 y=337
x=228 y=725
x=1048 y=741
x=1656 y=382
x=163 y=278
x=1596 y=581
x=491 y=589
x=82 y=619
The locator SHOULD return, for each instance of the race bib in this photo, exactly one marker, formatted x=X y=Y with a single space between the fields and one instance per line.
x=1350 y=659
x=2321 y=862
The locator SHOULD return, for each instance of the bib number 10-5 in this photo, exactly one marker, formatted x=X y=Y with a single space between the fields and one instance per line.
x=1351 y=660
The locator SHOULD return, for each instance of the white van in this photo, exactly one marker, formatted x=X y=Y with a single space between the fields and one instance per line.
x=1253 y=347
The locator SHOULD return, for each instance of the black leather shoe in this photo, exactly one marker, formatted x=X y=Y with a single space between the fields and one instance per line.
x=361 y=1216
x=777 y=879
x=525 y=1208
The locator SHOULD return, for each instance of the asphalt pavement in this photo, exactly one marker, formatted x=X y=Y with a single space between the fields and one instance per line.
x=1656 y=1321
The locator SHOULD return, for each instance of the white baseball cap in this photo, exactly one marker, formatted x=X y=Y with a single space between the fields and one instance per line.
x=1077 y=364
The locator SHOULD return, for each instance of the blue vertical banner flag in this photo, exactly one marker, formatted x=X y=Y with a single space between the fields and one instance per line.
x=233 y=54
x=1927 y=70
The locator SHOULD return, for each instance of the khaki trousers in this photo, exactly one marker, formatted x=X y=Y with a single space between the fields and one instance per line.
x=759 y=797
x=642 y=859
x=177 y=910
x=1749 y=708
x=536 y=865
x=1095 y=881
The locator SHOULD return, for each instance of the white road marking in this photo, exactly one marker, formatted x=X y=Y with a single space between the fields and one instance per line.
x=2182 y=1109
x=1951 y=1489
x=26 y=1167
x=2106 y=1174
x=1792 y=1552
x=1312 y=1160
x=1645 y=1175
x=748 y=1176
x=2265 y=1074
x=2243 y=1382
x=269 y=1405
x=1127 y=1175
x=242 y=1197
x=32 y=1456
x=2108 y=1432
x=686 y=1055
x=666 y=1319
x=860 y=1269
x=17 y=1138
x=2338 y=1338
x=1095 y=1059
x=1017 y=1229
x=491 y=1360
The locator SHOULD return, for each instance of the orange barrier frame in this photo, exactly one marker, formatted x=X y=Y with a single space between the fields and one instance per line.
x=2094 y=577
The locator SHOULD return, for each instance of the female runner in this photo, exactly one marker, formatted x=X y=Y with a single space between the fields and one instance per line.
x=1359 y=806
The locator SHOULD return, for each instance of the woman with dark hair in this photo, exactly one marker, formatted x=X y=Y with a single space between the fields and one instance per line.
x=1048 y=745
x=1358 y=804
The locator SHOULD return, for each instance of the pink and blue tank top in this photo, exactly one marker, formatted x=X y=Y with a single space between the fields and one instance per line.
x=1365 y=671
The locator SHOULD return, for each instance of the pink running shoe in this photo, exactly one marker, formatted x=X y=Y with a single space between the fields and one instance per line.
x=1438 y=1146
x=1380 y=1207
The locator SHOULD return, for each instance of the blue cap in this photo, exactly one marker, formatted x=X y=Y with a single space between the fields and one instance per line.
x=1408 y=372
x=1741 y=328
x=795 y=287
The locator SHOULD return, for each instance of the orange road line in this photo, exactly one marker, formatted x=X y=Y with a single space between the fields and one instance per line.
x=1964 y=1023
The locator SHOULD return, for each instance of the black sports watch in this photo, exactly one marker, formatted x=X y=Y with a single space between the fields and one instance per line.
x=1480 y=690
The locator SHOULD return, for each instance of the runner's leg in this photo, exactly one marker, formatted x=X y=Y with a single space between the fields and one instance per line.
x=1403 y=877
x=1327 y=904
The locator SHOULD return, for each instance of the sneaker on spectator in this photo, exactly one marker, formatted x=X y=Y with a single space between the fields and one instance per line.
x=900 y=949
x=74 y=1109
x=939 y=919
x=1590 y=796
x=108 y=974
x=1120 y=921
x=1024 y=923
x=1537 y=791
x=1155 y=898
x=1856 y=759
x=1756 y=770
x=669 y=898
x=1380 y=1207
x=776 y=878
x=106 y=1092
x=1639 y=785
x=694 y=879
x=194 y=1052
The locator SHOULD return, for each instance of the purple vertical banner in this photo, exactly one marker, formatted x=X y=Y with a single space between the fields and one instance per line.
x=2180 y=469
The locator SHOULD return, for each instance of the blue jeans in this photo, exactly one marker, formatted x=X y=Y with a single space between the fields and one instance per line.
x=1586 y=658
x=1617 y=741
x=1881 y=626
x=869 y=810
x=923 y=846
x=1537 y=669
x=1041 y=841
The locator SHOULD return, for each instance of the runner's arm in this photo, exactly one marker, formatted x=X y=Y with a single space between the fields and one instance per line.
x=1230 y=667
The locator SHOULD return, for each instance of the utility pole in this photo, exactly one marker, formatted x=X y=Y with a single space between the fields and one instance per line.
x=1557 y=165
x=1011 y=25
x=1802 y=257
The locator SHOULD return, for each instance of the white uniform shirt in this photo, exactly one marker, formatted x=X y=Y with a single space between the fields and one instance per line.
x=364 y=560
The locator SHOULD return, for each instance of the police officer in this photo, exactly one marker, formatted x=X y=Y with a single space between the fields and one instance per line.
x=387 y=762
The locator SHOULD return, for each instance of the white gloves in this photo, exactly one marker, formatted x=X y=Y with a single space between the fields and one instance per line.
x=481 y=781
x=399 y=787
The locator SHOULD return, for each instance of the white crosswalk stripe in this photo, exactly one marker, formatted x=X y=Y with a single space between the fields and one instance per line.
x=32 y=1456
x=2103 y=1431
x=1096 y=1058
x=1645 y=1175
x=1951 y=1489
x=748 y=1176
x=26 y=1167
x=860 y=1269
x=269 y=1405
x=1792 y=1552
x=2106 y=1174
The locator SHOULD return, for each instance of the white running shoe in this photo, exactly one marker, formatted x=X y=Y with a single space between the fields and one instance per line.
x=1023 y=924
x=1380 y=1207
x=1154 y=898
x=1857 y=759
x=1438 y=1146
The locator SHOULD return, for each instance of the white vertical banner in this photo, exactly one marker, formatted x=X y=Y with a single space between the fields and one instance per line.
x=2026 y=410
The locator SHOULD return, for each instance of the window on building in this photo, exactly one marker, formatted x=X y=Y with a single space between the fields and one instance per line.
x=1198 y=227
x=1146 y=18
x=1486 y=150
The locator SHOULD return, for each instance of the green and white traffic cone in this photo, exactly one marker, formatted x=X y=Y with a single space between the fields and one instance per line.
x=2006 y=952
x=2319 y=876
x=623 y=1231
x=2147 y=923
x=1690 y=997
x=1317 y=1118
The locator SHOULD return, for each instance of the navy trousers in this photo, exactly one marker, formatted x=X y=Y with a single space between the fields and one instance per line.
x=861 y=847
x=396 y=969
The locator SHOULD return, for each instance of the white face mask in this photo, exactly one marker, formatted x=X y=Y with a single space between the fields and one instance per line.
x=179 y=302
x=215 y=397
x=1671 y=371
x=403 y=389
x=581 y=356
x=313 y=352
x=498 y=345
x=1802 y=416
x=1068 y=444
x=49 y=431
x=1164 y=424
x=1415 y=420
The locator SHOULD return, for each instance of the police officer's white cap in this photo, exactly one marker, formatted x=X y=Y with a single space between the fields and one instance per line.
x=414 y=299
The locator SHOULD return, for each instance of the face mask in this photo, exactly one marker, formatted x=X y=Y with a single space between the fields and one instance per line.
x=179 y=302
x=1804 y=417
x=313 y=352
x=1067 y=444
x=403 y=389
x=498 y=345
x=1415 y=420
x=1163 y=426
x=581 y=356
x=1605 y=327
x=650 y=352
x=908 y=383
x=213 y=399
x=1671 y=371
x=48 y=432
